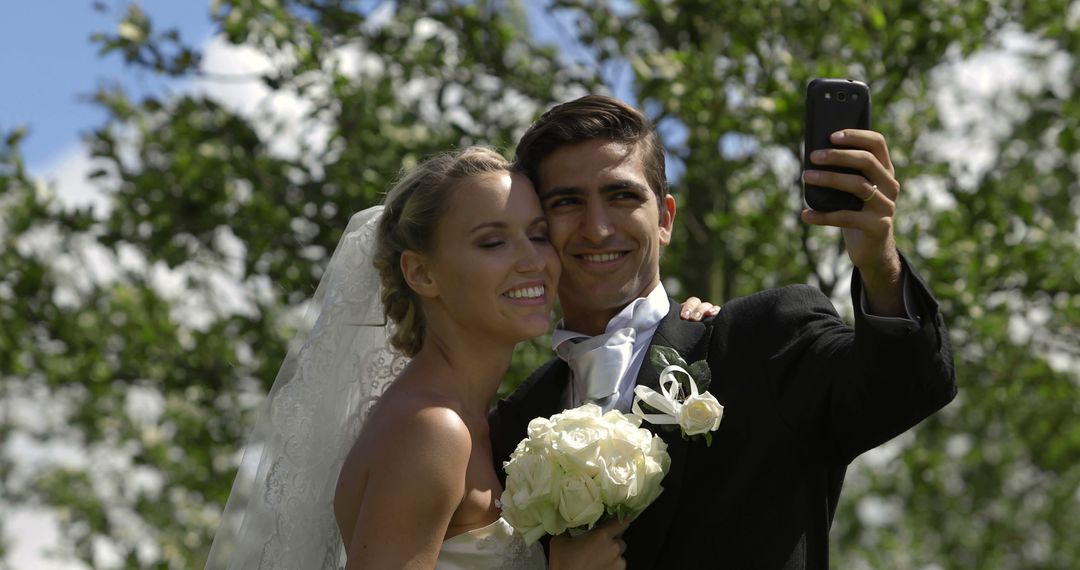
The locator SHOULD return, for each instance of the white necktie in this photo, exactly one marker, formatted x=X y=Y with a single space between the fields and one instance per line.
x=598 y=363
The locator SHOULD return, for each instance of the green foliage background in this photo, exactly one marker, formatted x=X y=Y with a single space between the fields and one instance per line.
x=198 y=190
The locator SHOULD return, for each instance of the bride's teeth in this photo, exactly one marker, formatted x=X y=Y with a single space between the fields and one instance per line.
x=601 y=257
x=526 y=293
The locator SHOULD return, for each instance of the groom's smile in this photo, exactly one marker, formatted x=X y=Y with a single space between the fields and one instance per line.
x=605 y=223
x=602 y=259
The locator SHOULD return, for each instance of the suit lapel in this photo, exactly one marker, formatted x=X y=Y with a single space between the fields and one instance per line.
x=673 y=332
x=646 y=536
x=541 y=394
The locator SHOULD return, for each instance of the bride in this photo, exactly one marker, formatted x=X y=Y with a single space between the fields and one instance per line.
x=467 y=273
x=373 y=449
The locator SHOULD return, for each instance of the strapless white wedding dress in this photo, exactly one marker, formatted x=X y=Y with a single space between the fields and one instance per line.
x=492 y=547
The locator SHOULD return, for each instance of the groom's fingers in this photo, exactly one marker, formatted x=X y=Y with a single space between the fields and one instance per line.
x=694 y=309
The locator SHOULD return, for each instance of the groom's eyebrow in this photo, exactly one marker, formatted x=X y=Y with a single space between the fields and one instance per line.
x=613 y=186
x=623 y=185
x=560 y=191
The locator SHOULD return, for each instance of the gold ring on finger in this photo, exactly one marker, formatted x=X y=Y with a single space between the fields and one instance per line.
x=873 y=192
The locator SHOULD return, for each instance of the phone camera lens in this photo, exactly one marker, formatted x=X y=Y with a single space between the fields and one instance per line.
x=841 y=96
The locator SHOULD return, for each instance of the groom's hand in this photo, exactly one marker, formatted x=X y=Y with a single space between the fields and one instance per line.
x=600 y=548
x=868 y=233
x=694 y=309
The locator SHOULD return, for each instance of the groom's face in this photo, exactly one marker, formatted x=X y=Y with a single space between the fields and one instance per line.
x=607 y=226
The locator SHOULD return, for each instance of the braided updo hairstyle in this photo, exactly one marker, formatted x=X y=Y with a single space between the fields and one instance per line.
x=413 y=208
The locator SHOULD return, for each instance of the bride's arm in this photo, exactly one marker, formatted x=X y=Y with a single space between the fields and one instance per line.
x=415 y=484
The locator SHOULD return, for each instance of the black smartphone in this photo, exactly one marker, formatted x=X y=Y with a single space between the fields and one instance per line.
x=832 y=105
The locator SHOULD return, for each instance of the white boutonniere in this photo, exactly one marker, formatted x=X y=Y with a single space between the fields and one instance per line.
x=682 y=399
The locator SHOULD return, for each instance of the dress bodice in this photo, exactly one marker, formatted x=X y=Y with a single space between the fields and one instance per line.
x=494 y=546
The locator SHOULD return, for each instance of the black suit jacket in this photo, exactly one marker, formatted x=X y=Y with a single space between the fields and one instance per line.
x=803 y=395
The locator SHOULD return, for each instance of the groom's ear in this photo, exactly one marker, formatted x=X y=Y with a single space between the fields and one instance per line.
x=416 y=267
x=667 y=219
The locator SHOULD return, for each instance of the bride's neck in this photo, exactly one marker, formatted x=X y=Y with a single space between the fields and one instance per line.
x=474 y=368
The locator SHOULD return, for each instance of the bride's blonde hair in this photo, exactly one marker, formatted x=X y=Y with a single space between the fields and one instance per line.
x=413 y=208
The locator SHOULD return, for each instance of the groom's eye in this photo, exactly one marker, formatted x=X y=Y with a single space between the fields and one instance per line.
x=567 y=201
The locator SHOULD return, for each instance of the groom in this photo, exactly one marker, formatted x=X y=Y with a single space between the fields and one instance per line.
x=803 y=392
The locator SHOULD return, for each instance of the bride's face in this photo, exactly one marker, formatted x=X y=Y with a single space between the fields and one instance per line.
x=495 y=268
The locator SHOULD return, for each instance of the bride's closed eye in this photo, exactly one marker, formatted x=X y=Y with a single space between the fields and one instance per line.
x=536 y=236
x=538 y=231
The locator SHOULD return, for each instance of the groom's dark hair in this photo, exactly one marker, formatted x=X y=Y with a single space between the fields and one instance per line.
x=587 y=118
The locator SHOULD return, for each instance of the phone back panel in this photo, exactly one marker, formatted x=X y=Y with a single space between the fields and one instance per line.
x=832 y=105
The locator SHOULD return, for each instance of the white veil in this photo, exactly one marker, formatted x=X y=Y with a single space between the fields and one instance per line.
x=280 y=512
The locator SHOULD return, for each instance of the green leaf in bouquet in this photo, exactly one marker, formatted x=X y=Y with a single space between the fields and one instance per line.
x=702 y=375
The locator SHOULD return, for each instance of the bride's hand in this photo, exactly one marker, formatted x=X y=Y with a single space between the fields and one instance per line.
x=601 y=547
x=694 y=309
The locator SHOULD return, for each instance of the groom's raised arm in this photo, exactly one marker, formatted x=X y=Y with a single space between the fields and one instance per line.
x=848 y=390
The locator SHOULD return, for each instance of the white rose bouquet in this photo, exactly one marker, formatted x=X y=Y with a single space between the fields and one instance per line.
x=580 y=467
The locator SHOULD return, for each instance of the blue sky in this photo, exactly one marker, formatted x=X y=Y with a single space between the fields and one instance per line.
x=51 y=67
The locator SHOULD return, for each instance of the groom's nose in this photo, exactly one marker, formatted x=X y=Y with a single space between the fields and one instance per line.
x=596 y=223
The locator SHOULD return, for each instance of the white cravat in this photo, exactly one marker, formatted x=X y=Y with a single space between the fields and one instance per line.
x=603 y=368
x=598 y=363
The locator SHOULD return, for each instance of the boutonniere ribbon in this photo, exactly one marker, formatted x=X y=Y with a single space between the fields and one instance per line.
x=682 y=399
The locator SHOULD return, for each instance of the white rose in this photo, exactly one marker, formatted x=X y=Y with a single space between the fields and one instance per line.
x=589 y=410
x=575 y=440
x=622 y=465
x=579 y=501
x=527 y=522
x=657 y=452
x=700 y=414
x=539 y=427
x=538 y=519
x=650 y=474
x=529 y=500
x=521 y=449
x=640 y=437
x=533 y=476
x=617 y=419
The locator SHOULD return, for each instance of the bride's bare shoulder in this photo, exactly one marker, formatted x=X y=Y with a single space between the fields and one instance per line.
x=405 y=477
x=411 y=423
x=409 y=438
